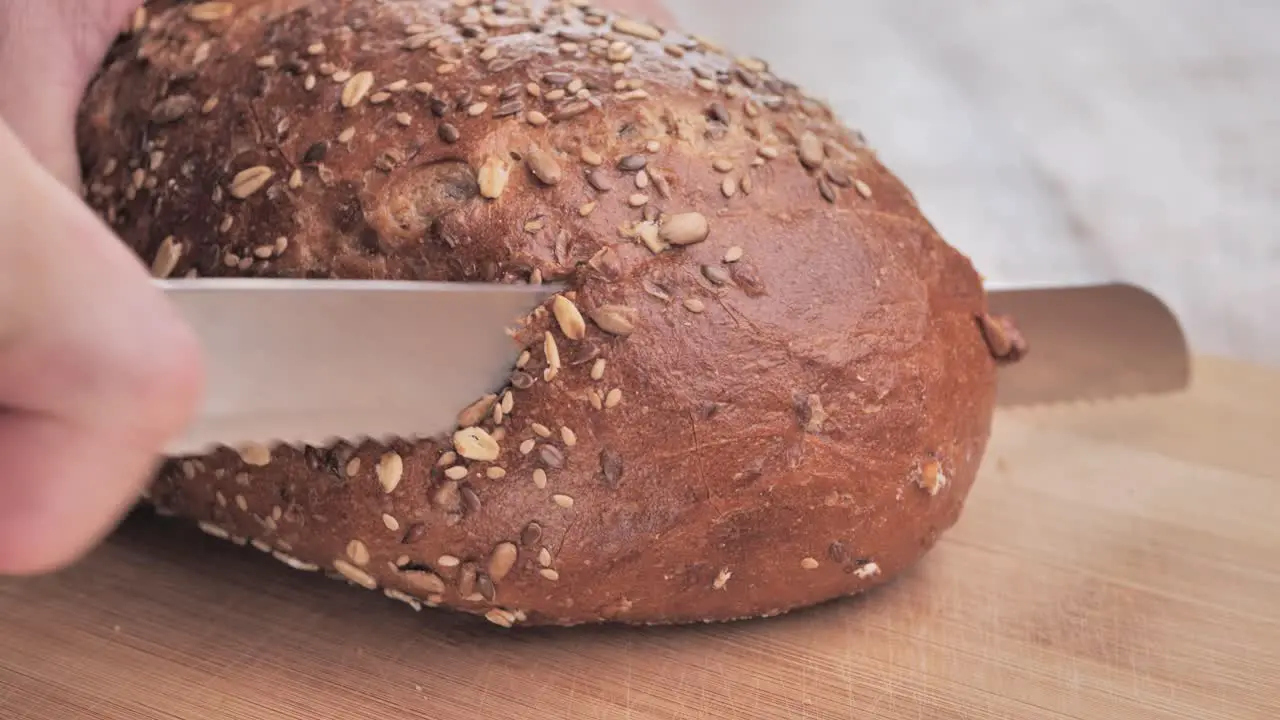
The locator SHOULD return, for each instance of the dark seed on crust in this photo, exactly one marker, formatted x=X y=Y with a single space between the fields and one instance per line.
x=632 y=163
x=839 y=177
x=611 y=468
x=551 y=456
x=470 y=499
x=172 y=109
x=826 y=190
x=313 y=457
x=414 y=533
x=531 y=534
x=570 y=110
x=336 y=460
x=598 y=180
x=315 y=153
x=586 y=354
x=449 y=133
x=508 y=109
x=485 y=587
x=655 y=290
x=837 y=552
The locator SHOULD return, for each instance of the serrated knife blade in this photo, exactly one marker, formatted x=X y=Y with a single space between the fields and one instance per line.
x=311 y=361
x=1090 y=342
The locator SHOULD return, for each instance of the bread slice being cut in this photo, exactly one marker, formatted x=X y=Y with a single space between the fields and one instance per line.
x=764 y=385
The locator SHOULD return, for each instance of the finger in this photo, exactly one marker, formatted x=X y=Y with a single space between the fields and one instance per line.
x=97 y=372
x=49 y=49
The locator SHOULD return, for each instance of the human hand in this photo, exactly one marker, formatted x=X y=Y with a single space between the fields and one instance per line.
x=96 y=370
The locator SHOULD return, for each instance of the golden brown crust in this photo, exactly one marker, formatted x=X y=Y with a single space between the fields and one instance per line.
x=771 y=389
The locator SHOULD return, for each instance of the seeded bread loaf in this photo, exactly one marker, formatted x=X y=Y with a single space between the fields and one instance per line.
x=767 y=385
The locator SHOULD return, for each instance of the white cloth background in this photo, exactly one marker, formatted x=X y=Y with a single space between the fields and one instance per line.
x=1064 y=140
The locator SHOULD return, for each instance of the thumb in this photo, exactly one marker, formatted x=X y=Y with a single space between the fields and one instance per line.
x=96 y=371
x=48 y=51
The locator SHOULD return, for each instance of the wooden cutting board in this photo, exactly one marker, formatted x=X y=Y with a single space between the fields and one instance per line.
x=1115 y=561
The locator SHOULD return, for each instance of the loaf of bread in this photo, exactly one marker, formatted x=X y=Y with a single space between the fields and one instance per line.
x=768 y=382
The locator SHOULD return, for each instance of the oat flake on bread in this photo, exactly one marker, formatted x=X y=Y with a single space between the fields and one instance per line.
x=763 y=367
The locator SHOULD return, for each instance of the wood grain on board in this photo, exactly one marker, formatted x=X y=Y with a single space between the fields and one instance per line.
x=1115 y=560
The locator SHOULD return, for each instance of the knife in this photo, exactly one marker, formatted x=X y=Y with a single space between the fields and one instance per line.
x=312 y=361
x=1089 y=342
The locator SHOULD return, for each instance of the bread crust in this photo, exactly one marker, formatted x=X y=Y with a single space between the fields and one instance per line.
x=771 y=387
